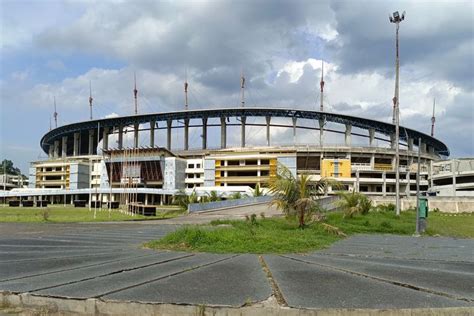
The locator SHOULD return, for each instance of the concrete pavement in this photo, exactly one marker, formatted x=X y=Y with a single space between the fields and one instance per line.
x=106 y=262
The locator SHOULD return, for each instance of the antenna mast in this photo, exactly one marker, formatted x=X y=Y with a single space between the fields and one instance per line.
x=433 y=119
x=135 y=93
x=186 y=89
x=50 y=128
x=55 y=114
x=322 y=86
x=90 y=98
x=242 y=89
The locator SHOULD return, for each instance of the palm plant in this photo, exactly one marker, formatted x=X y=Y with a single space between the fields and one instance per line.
x=354 y=203
x=183 y=200
x=235 y=196
x=297 y=195
x=257 y=191
x=212 y=196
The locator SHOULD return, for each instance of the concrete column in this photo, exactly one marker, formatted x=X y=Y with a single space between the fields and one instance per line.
x=357 y=188
x=384 y=184
x=431 y=174
x=454 y=171
x=169 y=123
x=294 y=130
x=268 y=120
x=372 y=162
x=152 y=134
x=347 y=135
x=371 y=136
x=120 y=137
x=321 y=132
x=50 y=151
x=423 y=147
x=186 y=134
x=223 y=132
x=91 y=142
x=105 y=139
x=431 y=149
x=410 y=144
x=204 y=132
x=407 y=177
x=56 y=149
x=136 y=127
x=242 y=134
x=76 y=144
x=392 y=141
x=64 y=147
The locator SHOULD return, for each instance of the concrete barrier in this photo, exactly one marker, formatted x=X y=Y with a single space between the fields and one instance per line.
x=328 y=203
x=210 y=206
x=445 y=204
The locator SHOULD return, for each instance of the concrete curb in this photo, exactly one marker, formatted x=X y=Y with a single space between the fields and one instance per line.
x=61 y=306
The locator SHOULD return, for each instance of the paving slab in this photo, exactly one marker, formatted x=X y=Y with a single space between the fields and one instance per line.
x=232 y=282
x=311 y=286
x=391 y=246
x=116 y=282
x=9 y=270
x=459 y=284
x=29 y=284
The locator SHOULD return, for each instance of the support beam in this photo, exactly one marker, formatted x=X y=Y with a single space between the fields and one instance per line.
x=105 y=139
x=223 y=132
x=76 y=144
x=136 y=127
x=152 y=134
x=423 y=147
x=294 y=119
x=242 y=134
x=56 y=149
x=169 y=123
x=410 y=144
x=268 y=120
x=384 y=184
x=371 y=137
x=64 y=147
x=347 y=135
x=454 y=171
x=204 y=132
x=392 y=141
x=186 y=134
x=51 y=151
x=321 y=132
x=120 y=137
x=91 y=142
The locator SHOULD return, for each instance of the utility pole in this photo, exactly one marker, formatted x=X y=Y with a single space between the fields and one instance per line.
x=321 y=108
x=55 y=114
x=90 y=98
x=135 y=93
x=396 y=18
x=433 y=120
x=186 y=89
x=242 y=89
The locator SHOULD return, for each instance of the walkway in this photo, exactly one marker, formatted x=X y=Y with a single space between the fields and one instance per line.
x=106 y=261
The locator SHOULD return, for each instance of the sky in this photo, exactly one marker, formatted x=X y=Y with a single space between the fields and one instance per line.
x=53 y=49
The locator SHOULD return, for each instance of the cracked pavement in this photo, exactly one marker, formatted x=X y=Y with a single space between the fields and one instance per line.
x=106 y=261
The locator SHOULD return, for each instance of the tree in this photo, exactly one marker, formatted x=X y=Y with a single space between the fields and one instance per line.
x=183 y=200
x=7 y=167
x=211 y=196
x=297 y=195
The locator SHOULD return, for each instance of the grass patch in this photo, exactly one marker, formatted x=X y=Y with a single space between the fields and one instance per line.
x=278 y=235
x=69 y=214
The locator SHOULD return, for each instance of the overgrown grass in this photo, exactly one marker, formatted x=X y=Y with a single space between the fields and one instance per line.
x=68 y=214
x=279 y=235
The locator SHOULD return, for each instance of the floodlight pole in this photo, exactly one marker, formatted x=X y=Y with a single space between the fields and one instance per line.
x=417 y=231
x=396 y=107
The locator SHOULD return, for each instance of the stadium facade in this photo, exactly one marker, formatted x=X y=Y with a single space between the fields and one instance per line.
x=82 y=165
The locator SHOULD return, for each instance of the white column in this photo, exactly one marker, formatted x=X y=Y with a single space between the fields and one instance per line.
x=223 y=132
x=347 y=135
x=76 y=144
x=64 y=147
x=152 y=134
x=371 y=136
x=242 y=134
x=268 y=119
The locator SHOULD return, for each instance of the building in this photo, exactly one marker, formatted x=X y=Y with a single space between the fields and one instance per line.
x=453 y=177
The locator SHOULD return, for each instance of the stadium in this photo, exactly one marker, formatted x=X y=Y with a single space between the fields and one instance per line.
x=82 y=165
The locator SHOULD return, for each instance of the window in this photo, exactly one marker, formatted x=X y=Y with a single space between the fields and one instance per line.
x=198 y=165
x=191 y=165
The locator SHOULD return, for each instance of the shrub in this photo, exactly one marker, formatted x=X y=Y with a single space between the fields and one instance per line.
x=354 y=203
x=45 y=214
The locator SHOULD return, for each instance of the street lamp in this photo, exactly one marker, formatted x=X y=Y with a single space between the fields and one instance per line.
x=396 y=18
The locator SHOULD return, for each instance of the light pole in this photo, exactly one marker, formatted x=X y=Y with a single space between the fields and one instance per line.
x=396 y=18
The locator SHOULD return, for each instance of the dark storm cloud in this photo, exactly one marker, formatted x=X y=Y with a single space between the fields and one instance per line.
x=438 y=37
